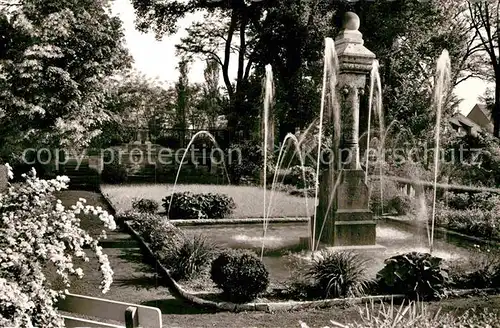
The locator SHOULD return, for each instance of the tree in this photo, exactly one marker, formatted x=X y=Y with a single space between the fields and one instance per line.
x=54 y=61
x=210 y=103
x=182 y=89
x=484 y=17
x=290 y=37
x=225 y=25
x=135 y=101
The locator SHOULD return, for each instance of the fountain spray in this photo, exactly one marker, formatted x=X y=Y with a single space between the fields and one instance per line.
x=329 y=85
x=374 y=82
x=443 y=70
x=268 y=102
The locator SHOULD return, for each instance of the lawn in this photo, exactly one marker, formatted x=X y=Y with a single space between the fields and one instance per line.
x=249 y=200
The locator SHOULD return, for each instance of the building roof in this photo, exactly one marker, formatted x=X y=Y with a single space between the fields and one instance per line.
x=459 y=119
x=481 y=115
x=485 y=110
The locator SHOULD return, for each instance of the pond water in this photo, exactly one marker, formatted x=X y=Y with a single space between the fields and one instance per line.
x=281 y=239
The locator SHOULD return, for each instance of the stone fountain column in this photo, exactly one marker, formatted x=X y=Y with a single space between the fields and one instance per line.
x=349 y=222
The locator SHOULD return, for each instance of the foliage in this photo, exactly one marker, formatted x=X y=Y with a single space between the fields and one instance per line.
x=300 y=285
x=394 y=200
x=479 y=161
x=472 y=221
x=486 y=201
x=135 y=102
x=211 y=101
x=480 y=270
x=38 y=232
x=189 y=258
x=483 y=17
x=241 y=275
x=401 y=204
x=114 y=173
x=417 y=315
x=55 y=59
x=295 y=177
x=245 y=162
x=339 y=274
x=183 y=256
x=415 y=275
x=145 y=205
x=186 y=206
x=156 y=230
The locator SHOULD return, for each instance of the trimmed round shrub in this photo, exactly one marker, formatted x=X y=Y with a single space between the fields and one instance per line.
x=241 y=275
x=114 y=174
x=394 y=200
x=416 y=275
x=145 y=205
x=339 y=274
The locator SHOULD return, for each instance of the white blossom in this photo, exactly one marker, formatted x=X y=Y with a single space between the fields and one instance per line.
x=35 y=231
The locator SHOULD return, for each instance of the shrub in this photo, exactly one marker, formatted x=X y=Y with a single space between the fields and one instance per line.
x=393 y=199
x=250 y=163
x=184 y=257
x=300 y=286
x=415 y=275
x=157 y=231
x=401 y=204
x=189 y=258
x=296 y=178
x=339 y=274
x=458 y=201
x=187 y=205
x=241 y=275
x=114 y=174
x=481 y=270
x=144 y=205
x=462 y=201
x=476 y=222
x=38 y=233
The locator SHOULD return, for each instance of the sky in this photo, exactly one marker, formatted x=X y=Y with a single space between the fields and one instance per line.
x=157 y=59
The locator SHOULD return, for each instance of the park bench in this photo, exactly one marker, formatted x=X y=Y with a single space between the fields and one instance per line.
x=127 y=315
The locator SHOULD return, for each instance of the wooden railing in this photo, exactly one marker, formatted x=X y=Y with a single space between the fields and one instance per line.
x=127 y=315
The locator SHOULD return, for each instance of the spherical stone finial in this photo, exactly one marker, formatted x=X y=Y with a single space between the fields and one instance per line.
x=351 y=21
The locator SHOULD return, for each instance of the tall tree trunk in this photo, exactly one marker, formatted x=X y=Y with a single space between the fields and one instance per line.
x=496 y=107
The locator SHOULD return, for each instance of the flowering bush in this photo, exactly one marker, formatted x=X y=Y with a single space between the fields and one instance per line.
x=37 y=231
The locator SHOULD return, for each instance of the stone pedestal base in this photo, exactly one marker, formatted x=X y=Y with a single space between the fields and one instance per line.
x=367 y=248
x=351 y=222
x=354 y=232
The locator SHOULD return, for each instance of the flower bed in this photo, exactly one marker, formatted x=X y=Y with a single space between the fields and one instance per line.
x=308 y=287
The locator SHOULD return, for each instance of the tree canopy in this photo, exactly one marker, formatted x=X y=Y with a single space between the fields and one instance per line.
x=54 y=61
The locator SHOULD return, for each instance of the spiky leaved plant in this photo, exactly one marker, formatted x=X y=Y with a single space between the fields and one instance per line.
x=339 y=274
